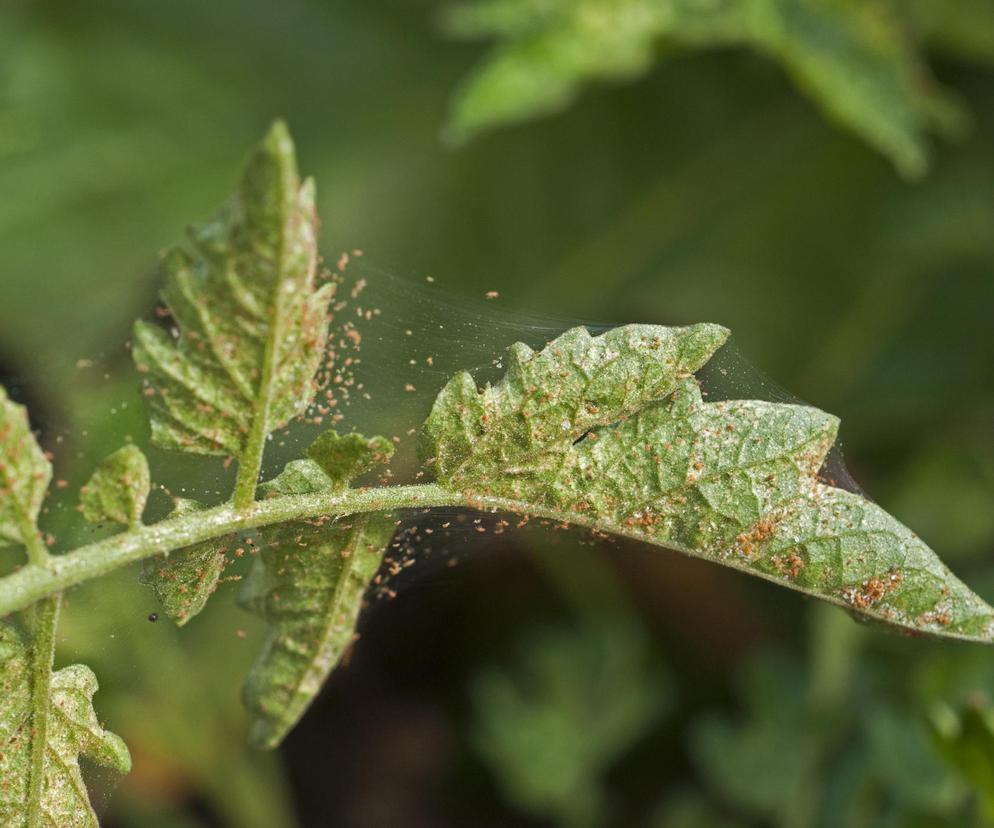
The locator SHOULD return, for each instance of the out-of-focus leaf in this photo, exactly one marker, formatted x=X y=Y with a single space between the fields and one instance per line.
x=613 y=432
x=857 y=60
x=793 y=762
x=309 y=584
x=965 y=740
x=546 y=50
x=72 y=731
x=24 y=474
x=948 y=487
x=768 y=765
x=689 y=810
x=185 y=579
x=552 y=724
x=118 y=489
x=856 y=752
x=901 y=760
x=960 y=28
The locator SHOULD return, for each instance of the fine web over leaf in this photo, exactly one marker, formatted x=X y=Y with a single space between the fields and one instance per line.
x=72 y=731
x=251 y=323
x=613 y=432
x=309 y=583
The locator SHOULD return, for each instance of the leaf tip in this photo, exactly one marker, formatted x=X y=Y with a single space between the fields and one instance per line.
x=263 y=735
x=278 y=140
x=700 y=343
x=277 y=152
x=116 y=755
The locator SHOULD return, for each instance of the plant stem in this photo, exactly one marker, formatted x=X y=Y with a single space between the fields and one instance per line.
x=33 y=542
x=33 y=583
x=42 y=657
x=36 y=581
x=248 y=471
x=46 y=619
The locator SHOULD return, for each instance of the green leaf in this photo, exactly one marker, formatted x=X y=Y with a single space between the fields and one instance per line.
x=250 y=323
x=687 y=809
x=574 y=702
x=613 y=432
x=857 y=60
x=298 y=477
x=118 y=489
x=309 y=585
x=24 y=475
x=965 y=740
x=333 y=460
x=769 y=766
x=828 y=740
x=546 y=51
x=72 y=731
x=344 y=458
x=310 y=589
x=964 y=29
x=523 y=427
x=186 y=578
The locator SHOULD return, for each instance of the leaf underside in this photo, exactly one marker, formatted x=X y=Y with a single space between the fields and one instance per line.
x=859 y=61
x=309 y=584
x=310 y=590
x=24 y=474
x=118 y=489
x=71 y=726
x=250 y=324
x=73 y=731
x=186 y=578
x=612 y=431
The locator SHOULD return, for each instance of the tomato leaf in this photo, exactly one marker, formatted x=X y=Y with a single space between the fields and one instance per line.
x=118 y=489
x=309 y=585
x=72 y=731
x=613 y=432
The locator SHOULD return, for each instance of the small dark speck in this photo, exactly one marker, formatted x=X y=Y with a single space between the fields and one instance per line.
x=153 y=616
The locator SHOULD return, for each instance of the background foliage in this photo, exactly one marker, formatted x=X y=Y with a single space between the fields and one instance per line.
x=712 y=188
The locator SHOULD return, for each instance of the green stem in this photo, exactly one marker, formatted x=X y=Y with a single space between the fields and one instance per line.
x=46 y=619
x=42 y=657
x=33 y=542
x=248 y=477
x=32 y=583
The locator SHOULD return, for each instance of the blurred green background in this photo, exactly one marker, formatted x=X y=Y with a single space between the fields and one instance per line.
x=542 y=680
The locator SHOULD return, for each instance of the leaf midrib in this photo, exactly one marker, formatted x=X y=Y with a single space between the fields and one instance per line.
x=250 y=458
